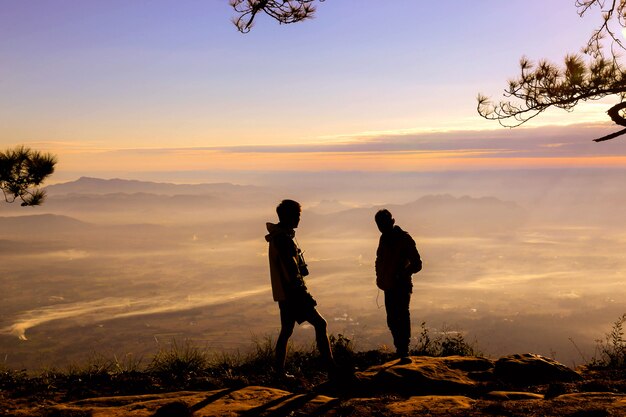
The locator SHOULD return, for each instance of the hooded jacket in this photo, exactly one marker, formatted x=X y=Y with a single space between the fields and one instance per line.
x=397 y=259
x=283 y=258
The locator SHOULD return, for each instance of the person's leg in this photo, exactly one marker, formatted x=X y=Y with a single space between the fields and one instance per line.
x=321 y=338
x=398 y=319
x=404 y=323
x=391 y=307
x=287 y=323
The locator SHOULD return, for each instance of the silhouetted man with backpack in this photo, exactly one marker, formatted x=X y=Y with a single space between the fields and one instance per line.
x=397 y=259
x=287 y=272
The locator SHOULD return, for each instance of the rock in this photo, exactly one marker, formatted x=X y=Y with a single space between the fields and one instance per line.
x=531 y=369
x=427 y=375
x=252 y=400
x=431 y=404
x=586 y=396
x=175 y=409
x=512 y=395
x=457 y=375
x=593 y=404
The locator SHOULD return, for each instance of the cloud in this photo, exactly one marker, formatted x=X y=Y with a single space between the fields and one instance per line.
x=547 y=147
x=573 y=140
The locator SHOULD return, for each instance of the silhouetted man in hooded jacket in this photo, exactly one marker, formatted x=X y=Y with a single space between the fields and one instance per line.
x=287 y=271
x=397 y=259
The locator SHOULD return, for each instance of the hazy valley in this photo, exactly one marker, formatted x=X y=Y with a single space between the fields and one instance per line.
x=518 y=262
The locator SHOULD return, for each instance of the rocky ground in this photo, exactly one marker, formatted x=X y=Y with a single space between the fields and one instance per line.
x=518 y=385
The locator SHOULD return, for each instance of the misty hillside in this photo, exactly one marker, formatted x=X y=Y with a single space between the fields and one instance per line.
x=329 y=207
x=40 y=223
x=119 y=201
x=138 y=202
x=88 y=185
x=131 y=201
x=433 y=214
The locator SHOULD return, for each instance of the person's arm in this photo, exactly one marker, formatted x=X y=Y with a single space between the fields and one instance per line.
x=289 y=262
x=415 y=261
x=379 y=262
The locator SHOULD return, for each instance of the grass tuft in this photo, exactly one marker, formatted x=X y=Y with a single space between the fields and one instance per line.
x=179 y=365
x=611 y=352
x=445 y=343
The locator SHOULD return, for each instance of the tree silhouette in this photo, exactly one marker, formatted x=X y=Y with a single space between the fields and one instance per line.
x=284 y=11
x=592 y=75
x=21 y=171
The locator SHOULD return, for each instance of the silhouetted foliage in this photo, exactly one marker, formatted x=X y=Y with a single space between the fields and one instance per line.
x=182 y=365
x=284 y=11
x=21 y=171
x=612 y=350
x=592 y=75
x=179 y=364
x=444 y=343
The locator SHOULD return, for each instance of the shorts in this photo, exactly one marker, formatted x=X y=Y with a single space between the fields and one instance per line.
x=298 y=308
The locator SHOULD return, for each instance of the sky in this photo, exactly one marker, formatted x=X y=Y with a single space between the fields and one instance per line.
x=118 y=86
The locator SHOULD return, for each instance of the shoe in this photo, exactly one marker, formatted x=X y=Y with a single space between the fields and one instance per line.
x=402 y=353
x=341 y=374
x=285 y=376
x=405 y=360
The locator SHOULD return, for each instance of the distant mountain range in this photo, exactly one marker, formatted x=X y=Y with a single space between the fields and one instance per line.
x=88 y=185
x=131 y=201
x=120 y=202
x=432 y=214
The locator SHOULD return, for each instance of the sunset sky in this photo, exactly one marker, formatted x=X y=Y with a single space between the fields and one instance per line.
x=123 y=86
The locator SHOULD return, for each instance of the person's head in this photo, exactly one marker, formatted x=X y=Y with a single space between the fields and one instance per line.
x=384 y=220
x=289 y=213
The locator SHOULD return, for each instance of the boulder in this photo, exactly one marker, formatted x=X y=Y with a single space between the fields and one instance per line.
x=428 y=375
x=531 y=369
x=457 y=375
x=431 y=404
x=230 y=402
x=513 y=395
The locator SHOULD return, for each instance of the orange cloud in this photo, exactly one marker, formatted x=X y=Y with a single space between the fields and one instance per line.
x=546 y=147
